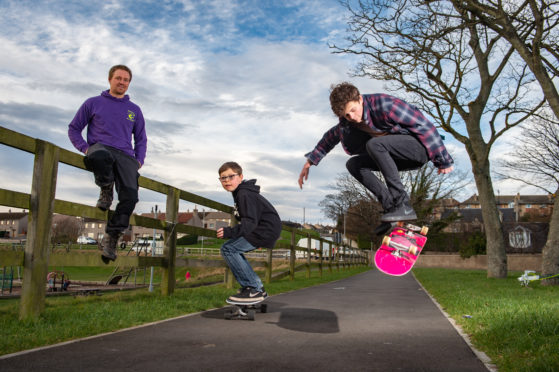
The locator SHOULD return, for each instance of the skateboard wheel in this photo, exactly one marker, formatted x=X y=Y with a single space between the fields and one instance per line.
x=424 y=230
x=413 y=250
x=386 y=241
x=250 y=314
x=263 y=308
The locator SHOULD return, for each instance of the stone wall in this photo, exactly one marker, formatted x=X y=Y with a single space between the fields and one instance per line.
x=516 y=262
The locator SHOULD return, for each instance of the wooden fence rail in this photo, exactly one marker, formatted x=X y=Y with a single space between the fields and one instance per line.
x=42 y=205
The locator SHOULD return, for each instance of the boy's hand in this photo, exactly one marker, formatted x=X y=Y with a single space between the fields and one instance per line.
x=304 y=174
x=220 y=232
x=446 y=170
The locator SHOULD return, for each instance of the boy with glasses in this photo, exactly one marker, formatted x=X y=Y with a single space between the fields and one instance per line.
x=259 y=226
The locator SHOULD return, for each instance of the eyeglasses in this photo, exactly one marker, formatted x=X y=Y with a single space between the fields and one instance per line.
x=227 y=178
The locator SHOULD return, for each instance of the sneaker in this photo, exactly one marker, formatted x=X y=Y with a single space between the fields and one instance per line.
x=249 y=296
x=105 y=197
x=108 y=244
x=403 y=212
x=383 y=228
x=241 y=290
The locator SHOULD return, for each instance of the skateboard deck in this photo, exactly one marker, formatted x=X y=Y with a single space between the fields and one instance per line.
x=400 y=249
x=244 y=311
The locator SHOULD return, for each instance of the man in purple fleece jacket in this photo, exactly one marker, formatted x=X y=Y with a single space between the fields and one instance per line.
x=385 y=134
x=112 y=120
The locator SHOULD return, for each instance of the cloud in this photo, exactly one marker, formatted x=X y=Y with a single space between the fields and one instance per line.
x=216 y=81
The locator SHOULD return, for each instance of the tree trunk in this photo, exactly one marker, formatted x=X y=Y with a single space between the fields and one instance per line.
x=496 y=254
x=550 y=253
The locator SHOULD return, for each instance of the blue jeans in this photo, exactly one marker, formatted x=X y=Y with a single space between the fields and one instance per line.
x=232 y=252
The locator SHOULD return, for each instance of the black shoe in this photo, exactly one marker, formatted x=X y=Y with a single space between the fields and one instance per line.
x=242 y=289
x=383 y=228
x=403 y=212
x=105 y=197
x=248 y=296
x=108 y=245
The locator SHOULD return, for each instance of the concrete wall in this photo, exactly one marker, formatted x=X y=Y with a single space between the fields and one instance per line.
x=516 y=262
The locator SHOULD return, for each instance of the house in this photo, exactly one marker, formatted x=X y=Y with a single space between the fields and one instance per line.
x=92 y=228
x=471 y=220
x=534 y=206
x=216 y=220
x=13 y=224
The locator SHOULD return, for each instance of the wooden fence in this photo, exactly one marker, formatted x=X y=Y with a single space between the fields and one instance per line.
x=42 y=204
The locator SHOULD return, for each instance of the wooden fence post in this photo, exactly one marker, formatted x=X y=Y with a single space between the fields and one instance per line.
x=321 y=258
x=41 y=206
x=309 y=241
x=330 y=258
x=292 y=257
x=170 y=250
x=268 y=278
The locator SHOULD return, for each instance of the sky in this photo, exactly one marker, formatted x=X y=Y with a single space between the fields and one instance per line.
x=245 y=81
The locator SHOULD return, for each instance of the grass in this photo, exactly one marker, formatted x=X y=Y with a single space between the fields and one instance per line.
x=516 y=326
x=67 y=318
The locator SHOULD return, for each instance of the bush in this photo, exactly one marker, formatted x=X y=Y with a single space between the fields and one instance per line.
x=476 y=245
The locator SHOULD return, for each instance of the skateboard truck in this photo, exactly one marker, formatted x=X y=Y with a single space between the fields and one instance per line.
x=244 y=312
x=399 y=247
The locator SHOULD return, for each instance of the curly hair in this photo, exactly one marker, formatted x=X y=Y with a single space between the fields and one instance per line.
x=340 y=95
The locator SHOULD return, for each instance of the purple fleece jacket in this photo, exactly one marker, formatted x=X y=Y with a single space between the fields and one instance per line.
x=110 y=121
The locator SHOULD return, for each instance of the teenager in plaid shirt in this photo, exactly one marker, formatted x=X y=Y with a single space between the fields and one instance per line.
x=385 y=134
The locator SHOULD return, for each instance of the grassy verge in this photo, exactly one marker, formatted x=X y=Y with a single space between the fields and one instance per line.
x=517 y=327
x=67 y=318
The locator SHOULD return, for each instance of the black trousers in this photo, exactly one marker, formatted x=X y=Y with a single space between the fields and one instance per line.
x=111 y=165
x=388 y=155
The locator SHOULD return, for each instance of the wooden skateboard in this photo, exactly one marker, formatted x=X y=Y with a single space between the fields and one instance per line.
x=400 y=249
x=244 y=311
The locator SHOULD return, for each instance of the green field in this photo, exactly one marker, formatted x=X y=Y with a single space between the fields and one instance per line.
x=516 y=326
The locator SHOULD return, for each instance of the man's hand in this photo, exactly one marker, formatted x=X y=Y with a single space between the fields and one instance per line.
x=220 y=232
x=446 y=170
x=304 y=174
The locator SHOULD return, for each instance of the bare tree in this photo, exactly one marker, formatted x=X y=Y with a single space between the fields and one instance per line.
x=65 y=229
x=530 y=26
x=463 y=74
x=536 y=163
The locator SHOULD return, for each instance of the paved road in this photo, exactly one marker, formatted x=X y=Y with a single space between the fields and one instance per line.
x=369 y=322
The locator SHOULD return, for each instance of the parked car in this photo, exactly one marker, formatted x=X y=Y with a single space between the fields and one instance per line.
x=86 y=240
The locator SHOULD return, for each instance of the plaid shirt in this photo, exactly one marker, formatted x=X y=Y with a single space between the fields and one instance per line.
x=386 y=114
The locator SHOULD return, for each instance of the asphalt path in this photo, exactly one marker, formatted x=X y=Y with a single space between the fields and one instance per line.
x=368 y=322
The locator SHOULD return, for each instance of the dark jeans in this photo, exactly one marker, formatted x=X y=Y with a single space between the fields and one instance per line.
x=111 y=165
x=387 y=154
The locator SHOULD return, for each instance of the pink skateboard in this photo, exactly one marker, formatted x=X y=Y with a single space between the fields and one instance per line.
x=400 y=249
